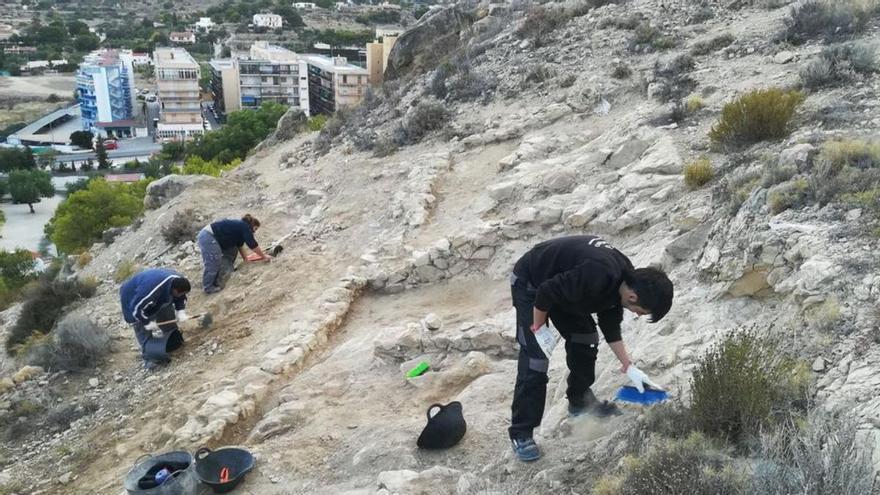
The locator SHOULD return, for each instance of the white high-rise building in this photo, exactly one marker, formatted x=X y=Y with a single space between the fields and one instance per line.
x=267 y=20
x=105 y=91
x=177 y=80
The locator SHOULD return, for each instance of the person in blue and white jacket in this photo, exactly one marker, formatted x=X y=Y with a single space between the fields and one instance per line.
x=145 y=294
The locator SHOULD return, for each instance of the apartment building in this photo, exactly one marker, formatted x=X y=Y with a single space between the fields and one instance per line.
x=183 y=37
x=272 y=21
x=267 y=73
x=177 y=80
x=106 y=94
x=334 y=83
x=377 y=57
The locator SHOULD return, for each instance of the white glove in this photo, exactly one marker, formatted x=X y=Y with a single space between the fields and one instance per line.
x=154 y=329
x=181 y=315
x=640 y=379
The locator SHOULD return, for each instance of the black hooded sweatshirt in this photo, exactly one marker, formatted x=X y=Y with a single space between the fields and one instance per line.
x=578 y=275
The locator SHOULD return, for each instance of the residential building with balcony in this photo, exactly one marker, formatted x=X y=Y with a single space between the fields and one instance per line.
x=177 y=82
x=183 y=37
x=334 y=83
x=272 y=21
x=106 y=94
x=267 y=73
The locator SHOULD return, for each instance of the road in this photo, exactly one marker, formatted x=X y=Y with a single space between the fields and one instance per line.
x=128 y=148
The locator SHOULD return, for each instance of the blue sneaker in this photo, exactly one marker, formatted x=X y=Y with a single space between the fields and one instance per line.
x=526 y=449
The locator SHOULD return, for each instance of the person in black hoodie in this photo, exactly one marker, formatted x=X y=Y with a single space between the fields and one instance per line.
x=569 y=279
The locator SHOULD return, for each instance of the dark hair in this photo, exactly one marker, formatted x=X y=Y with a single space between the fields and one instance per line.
x=253 y=222
x=654 y=290
x=181 y=284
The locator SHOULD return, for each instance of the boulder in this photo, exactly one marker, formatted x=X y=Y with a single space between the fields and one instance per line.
x=289 y=125
x=627 y=153
x=27 y=373
x=163 y=190
x=420 y=48
x=661 y=158
x=686 y=244
x=110 y=235
x=799 y=156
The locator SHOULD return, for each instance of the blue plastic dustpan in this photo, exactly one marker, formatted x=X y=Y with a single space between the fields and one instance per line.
x=628 y=393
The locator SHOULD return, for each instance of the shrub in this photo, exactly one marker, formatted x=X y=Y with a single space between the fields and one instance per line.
x=789 y=195
x=670 y=418
x=647 y=38
x=741 y=385
x=621 y=71
x=698 y=173
x=16 y=268
x=694 y=103
x=125 y=270
x=838 y=65
x=776 y=172
x=844 y=169
x=673 y=77
x=756 y=116
x=541 y=21
x=43 y=304
x=76 y=344
x=317 y=122
x=691 y=465
x=830 y=19
x=712 y=45
x=624 y=23
x=80 y=220
x=196 y=165
x=243 y=130
x=184 y=226
x=823 y=317
x=823 y=455
x=538 y=74
x=83 y=259
x=425 y=117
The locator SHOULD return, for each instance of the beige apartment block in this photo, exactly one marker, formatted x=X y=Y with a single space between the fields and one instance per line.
x=177 y=80
x=377 y=58
x=334 y=83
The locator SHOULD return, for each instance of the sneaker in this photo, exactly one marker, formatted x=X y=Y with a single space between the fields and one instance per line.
x=151 y=365
x=526 y=449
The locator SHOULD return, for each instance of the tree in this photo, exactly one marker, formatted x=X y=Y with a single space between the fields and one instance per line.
x=86 y=42
x=16 y=268
x=28 y=186
x=101 y=154
x=76 y=28
x=290 y=15
x=16 y=159
x=80 y=220
x=83 y=139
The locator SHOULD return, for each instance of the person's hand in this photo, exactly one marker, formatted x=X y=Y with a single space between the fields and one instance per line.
x=640 y=379
x=152 y=326
x=181 y=315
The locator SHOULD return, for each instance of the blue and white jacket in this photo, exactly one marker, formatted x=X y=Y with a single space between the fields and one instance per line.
x=145 y=293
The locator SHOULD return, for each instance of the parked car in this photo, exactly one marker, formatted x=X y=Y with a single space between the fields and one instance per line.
x=111 y=144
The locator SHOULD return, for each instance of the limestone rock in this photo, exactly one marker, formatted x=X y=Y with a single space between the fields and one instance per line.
x=432 y=38
x=819 y=364
x=27 y=373
x=783 y=57
x=163 y=190
x=627 y=153
x=437 y=480
x=432 y=321
x=686 y=244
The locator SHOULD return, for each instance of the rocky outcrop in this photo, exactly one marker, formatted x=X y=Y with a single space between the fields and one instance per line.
x=420 y=48
x=167 y=188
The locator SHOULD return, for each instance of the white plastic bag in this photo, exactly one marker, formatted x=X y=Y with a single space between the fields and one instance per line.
x=547 y=339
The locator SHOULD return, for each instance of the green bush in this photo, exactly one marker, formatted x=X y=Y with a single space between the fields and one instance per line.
x=80 y=220
x=244 y=129
x=698 y=173
x=317 y=122
x=196 y=165
x=741 y=385
x=674 y=467
x=756 y=116
x=822 y=455
x=646 y=37
x=673 y=76
x=845 y=170
x=427 y=116
x=42 y=306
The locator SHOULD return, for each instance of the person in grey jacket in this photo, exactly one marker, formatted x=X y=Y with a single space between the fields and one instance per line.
x=220 y=243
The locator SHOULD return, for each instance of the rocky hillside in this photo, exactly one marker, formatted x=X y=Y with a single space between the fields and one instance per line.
x=503 y=125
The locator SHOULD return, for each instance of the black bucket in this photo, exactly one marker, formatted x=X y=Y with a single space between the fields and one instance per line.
x=157 y=349
x=223 y=469
x=445 y=428
x=141 y=479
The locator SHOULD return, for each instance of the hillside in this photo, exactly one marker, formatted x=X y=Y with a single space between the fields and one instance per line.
x=502 y=126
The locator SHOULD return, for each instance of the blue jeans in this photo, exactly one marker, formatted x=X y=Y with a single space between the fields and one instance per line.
x=218 y=262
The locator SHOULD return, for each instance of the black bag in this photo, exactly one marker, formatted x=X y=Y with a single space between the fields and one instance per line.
x=445 y=428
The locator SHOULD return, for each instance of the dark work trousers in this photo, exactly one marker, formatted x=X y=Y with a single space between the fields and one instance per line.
x=219 y=263
x=581 y=348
